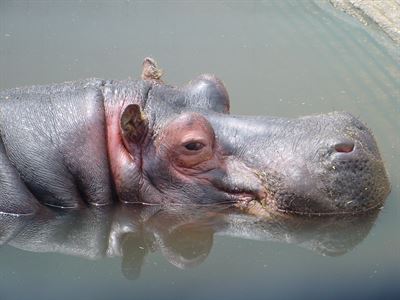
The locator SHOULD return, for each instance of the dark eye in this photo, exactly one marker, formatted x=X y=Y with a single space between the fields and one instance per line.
x=194 y=146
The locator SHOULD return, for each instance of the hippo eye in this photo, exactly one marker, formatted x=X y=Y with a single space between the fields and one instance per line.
x=194 y=146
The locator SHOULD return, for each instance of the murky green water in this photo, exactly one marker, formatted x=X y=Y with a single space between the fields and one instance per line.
x=284 y=58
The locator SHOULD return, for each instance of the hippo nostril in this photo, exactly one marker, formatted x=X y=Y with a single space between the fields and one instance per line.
x=344 y=147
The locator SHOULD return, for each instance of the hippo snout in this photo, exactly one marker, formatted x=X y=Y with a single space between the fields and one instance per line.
x=322 y=164
x=357 y=179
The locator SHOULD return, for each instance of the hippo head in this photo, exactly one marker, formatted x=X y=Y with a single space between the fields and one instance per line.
x=186 y=148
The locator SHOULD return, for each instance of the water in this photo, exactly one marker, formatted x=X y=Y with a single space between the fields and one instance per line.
x=283 y=58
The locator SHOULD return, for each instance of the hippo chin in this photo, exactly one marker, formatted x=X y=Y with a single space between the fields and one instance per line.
x=94 y=141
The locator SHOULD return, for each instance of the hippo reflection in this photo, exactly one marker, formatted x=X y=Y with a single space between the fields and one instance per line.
x=95 y=141
x=184 y=235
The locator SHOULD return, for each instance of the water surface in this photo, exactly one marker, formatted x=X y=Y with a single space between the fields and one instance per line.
x=283 y=58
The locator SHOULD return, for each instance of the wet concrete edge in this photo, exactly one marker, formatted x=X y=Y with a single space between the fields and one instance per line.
x=384 y=13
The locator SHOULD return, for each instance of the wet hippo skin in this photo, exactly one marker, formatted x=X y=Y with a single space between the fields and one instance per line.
x=96 y=142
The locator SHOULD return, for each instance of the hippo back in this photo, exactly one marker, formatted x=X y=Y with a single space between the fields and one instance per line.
x=53 y=138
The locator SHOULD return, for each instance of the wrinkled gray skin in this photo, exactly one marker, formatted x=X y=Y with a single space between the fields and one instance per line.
x=183 y=235
x=55 y=150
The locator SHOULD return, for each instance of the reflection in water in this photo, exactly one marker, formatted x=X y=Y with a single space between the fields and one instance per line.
x=184 y=235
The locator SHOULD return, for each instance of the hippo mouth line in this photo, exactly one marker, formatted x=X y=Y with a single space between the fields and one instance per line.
x=244 y=195
x=269 y=203
x=259 y=207
x=241 y=196
x=360 y=210
x=354 y=212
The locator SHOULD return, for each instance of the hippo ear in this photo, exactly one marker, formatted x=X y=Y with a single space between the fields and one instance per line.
x=208 y=92
x=134 y=123
x=151 y=71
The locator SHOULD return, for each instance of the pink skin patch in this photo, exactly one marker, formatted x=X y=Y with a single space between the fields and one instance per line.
x=188 y=143
x=121 y=161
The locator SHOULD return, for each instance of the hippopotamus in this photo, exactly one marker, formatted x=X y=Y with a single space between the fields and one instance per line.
x=95 y=142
